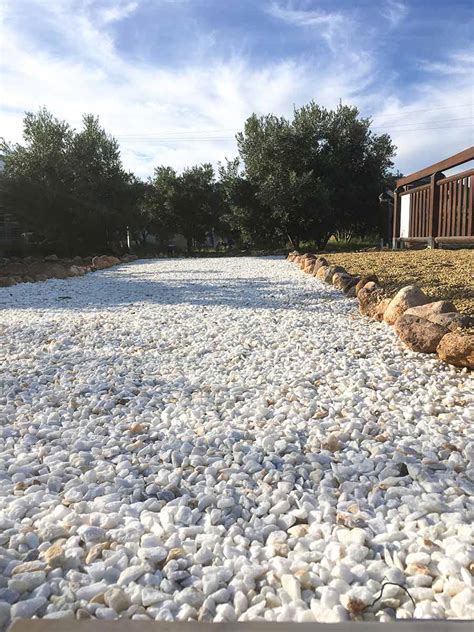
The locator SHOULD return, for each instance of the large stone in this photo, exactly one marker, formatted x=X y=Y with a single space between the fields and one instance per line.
x=128 y=258
x=53 y=271
x=381 y=309
x=4 y=614
x=369 y=298
x=353 y=281
x=104 y=261
x=453 y=320
x=321 y=273
x=309 y=265
x=7 y=281
x=458 y=349
x=409 y=296
x=76 y=271
x=307 y=260
x=431 y=309
x=331 y=271
x=320 y=261
x=419 y=334
x=341 y=279
x=27 y=608
x=364 y=280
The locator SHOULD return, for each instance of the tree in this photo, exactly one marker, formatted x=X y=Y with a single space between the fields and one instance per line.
x=196 y=203
x=159 y=215
x=353 y=161
x=100 y=185
x=319 y=173
x=189 y=203
x=244 y=214
x=69 y=187
x=37 y=177
x=268 y=148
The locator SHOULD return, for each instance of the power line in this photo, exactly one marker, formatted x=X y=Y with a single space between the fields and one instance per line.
x=206 y=133
x=167 y=141
x=424 y=126
x=463 y=118
x=444 y=107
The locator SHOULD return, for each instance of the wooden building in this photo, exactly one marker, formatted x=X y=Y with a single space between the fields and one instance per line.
x=432 y=209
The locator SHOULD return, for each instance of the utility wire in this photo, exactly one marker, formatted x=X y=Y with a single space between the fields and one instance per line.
x=206 y=133
x=407 y=127
x=444 y=107
x=204 y=139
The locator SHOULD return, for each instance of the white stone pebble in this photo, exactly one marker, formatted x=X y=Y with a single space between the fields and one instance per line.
x=226 y=440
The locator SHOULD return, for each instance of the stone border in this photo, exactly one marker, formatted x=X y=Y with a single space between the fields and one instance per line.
x=423 y=326
x=30 y=270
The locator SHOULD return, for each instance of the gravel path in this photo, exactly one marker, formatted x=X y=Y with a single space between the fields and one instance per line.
x=224 y=439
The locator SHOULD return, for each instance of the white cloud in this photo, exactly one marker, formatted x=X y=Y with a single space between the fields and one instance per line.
x=165 y=115
x=157 y=113
x=117 y=12
x=436 y=119
x=395 y=12
x=329 y=25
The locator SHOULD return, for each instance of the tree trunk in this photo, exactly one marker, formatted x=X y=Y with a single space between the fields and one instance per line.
x=294 y=241
x=322 y=240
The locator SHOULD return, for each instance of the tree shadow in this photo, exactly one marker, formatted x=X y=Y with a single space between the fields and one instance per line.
x=136 y=284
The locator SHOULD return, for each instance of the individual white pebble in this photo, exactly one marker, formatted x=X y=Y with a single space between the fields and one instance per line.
x=116 y=599
x=131 y=574
x=225 y=612
x=291 y=585
x=351 y=536
x=4 y=612
x=27 y=608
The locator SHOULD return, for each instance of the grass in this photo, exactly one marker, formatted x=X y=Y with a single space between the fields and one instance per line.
x=442 y=274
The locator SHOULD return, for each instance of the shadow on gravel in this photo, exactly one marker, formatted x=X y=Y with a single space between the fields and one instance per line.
x=137 y=286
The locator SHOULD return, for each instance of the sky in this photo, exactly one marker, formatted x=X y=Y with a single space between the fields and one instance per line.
x=174 y=80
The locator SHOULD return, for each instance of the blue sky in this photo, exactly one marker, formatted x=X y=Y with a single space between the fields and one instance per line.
x=174 y=80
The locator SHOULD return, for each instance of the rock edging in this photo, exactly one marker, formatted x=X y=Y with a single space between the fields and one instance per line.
x=31 y=270
x=422 y=326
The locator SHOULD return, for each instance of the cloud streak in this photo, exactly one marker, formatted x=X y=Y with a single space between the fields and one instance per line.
x=330 y=26
x=395 y=12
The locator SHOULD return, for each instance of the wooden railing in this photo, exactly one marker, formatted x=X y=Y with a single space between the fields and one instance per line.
x=419 y=211
x=455 y=206
x=441 y=210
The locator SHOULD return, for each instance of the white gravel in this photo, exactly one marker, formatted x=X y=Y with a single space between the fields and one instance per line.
x=223 y=439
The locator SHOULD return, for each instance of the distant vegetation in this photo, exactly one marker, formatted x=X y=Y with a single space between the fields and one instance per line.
x=304 y=179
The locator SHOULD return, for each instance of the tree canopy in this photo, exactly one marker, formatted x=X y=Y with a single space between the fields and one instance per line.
x=68 y=187
x=314 y=175
x=319 y=173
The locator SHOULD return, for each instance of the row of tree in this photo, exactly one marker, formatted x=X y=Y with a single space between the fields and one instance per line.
x=316 y=175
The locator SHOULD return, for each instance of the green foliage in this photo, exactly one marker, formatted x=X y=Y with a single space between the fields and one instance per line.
x=305 y=179
x=69 y=187
x=245 y=215
x=189 y=203
x=319 y=173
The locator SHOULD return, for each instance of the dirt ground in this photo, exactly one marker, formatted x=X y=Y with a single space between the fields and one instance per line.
x=442 y=274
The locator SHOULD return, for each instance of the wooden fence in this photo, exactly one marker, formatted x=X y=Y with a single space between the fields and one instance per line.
x=438 y=211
